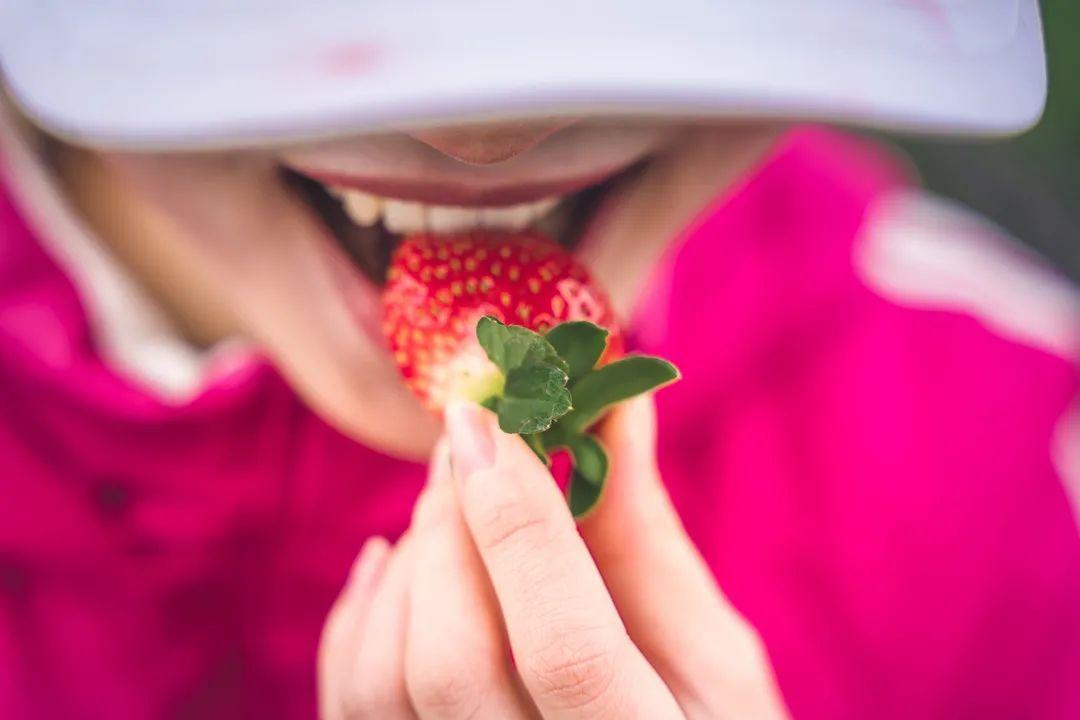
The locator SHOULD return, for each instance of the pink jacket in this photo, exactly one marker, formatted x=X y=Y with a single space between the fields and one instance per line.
x=876 y=467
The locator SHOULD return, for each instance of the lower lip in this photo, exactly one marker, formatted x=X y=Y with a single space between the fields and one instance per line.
x=360 y=296
x=436 y=193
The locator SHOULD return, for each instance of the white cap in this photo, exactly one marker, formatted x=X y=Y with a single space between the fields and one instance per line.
x=197 y=73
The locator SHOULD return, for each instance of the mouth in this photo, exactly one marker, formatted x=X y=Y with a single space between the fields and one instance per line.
x=368 y=223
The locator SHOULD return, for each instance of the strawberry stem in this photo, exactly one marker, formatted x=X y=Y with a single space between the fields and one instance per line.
x=553 y=392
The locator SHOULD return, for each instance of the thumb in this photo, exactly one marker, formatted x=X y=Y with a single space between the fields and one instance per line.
x=634 y=497
x=635 y=532
x=667 y=596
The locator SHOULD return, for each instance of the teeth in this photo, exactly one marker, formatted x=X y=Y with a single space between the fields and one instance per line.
x=364 y=209
x=442 y=219
x=403 y=216
x=543 y=207
x=516 y=217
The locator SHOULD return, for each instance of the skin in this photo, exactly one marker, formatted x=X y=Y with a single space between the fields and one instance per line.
x=493 y=567
x=493 y=563
x=230 y=250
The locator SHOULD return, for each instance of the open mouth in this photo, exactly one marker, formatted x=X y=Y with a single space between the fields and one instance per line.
x=369 y=226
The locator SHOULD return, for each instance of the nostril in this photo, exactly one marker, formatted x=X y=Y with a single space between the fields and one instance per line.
x=489 y=143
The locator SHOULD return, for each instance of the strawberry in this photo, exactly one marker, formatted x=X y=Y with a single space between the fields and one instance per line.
x=439 y=286
x=513 y=321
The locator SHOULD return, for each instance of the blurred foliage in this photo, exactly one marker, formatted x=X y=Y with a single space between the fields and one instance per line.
x=1030 y=185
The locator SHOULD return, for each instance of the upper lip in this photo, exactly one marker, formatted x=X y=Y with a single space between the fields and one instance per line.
x=442 y=192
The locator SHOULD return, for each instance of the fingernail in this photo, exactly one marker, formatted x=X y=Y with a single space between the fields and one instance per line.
x=472 y=448
x=368 y=564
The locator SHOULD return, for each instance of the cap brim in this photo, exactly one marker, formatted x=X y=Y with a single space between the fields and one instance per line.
x=179 y=75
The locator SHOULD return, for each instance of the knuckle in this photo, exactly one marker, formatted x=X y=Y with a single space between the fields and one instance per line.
x=446 y=687
x=510 y=523
x=371 y=693
x=352 y=709
x=361 y=704
x=573 y=672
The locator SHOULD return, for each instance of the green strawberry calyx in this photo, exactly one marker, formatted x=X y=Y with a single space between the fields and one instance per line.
x=553 y=393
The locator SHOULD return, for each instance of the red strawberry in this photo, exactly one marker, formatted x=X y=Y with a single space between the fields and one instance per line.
x=513 y=321
x=439 y=286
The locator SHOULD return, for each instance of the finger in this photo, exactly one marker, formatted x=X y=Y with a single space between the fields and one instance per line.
x=376 y=687
x=570 y=647
x=705 y=651
x=232 y=227
x=457 y=661
x=339 y=638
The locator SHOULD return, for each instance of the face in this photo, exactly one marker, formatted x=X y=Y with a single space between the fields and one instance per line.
x=289 y=246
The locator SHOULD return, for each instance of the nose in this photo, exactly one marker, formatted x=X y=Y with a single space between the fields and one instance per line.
x=489 y=143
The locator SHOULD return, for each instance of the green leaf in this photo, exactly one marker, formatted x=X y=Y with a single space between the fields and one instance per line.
x=536 y=381
x=590 y=472
x=513 y=346
x=534 y=397
x=582 y=496
x=537 y=446
x=580 y=343
x=590 y=458
x=554 y=437
x=535 y=393
x=613 y=383
x=523 y=416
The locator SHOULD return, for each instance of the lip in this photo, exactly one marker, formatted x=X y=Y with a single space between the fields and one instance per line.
x=459 y=194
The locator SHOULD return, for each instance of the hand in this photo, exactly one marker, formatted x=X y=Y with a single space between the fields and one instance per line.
x=493 y=606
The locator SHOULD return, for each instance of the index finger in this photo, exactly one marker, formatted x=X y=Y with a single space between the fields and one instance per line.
x=569 y=643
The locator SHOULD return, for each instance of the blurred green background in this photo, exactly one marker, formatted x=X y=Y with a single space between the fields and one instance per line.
x=1030 y=185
